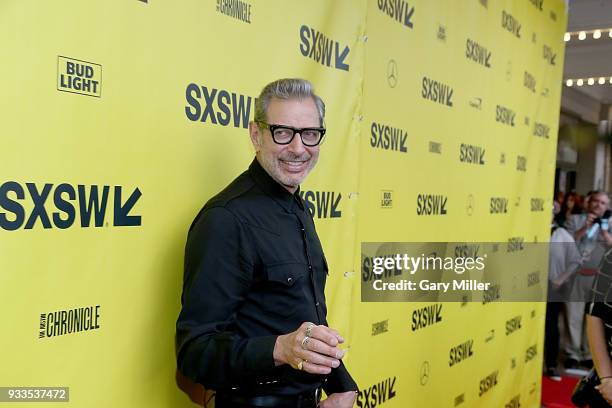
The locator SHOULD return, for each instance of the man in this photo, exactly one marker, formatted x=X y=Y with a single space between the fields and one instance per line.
x=253 y=323
x=592 y=242
x=564 y=261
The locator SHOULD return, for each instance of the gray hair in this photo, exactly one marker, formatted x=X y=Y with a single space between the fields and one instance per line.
x=287 y=88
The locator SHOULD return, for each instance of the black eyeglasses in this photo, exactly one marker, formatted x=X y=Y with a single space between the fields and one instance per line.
x=283 y=135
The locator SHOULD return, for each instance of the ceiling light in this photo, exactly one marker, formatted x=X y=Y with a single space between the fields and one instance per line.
x=610 y=34
x=611 y=80
x=597 y=34
x=569 y=82
x=567 y=37
x=601 y=81
x=582 y=35
x=591 y=81
x=579 y=82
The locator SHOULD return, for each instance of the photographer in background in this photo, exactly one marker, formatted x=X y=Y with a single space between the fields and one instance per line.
x=590 y=231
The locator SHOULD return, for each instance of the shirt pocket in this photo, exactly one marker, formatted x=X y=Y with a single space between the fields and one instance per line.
x=284 y=291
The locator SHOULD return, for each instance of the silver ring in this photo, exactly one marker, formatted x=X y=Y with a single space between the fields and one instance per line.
x=305 y=341
x=309 y=329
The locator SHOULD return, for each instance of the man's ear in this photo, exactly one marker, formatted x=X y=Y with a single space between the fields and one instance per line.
x=255 y=134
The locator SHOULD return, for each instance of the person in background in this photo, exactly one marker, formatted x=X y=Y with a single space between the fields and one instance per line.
x=569 y=207
x=564 y=261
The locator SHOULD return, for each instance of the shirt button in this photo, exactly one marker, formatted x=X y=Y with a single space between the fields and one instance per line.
x=309 y=266
x=289 y=280
x=317 y=304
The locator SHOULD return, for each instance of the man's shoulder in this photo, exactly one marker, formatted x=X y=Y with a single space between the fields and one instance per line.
x=236 y=200
x=238 y=189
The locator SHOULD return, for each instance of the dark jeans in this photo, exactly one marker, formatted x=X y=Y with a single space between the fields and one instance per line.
x=551 y=337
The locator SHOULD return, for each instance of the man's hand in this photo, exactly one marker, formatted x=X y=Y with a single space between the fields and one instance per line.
x=339 y=400
x=589 y=220
x=605 y=389
x=317 y=354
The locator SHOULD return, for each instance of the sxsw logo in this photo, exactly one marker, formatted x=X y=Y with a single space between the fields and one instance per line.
x=386 y=200
x=467 y=251
x=513 y=325
x=388 y=138
x=541 y=130
x=531 y=353
x=80 y=77
x=511 y=24
x=515 y=244
x=537 y=204
x=318 y=47
x=461 y=352
x=399 y=10
x=538 y=4
x=549 y=55
x=322 y=204
x=217 y=106
x=498 y=205
x=505 y=115
x=430 y=204
x=436 y=91
x=521 y=163
x=529 y=82
x=533 y=279
x=488 y=383
x=376 y=394
x=471 y=154
x=492 y=294
x=477 y=53
x=426 y=316
x=89 y=203
x=237 y=9
x=441 y=33
x=515 y=402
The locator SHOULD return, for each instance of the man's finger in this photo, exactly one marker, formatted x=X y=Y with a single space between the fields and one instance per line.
x=320 y=359
x=315 y=368
x=319 y=347
x=325 y=334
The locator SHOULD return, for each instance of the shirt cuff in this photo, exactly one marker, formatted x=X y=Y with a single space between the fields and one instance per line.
x=261 y=354
x=339 y=381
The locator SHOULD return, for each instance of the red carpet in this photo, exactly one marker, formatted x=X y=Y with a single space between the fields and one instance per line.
x=556 y=394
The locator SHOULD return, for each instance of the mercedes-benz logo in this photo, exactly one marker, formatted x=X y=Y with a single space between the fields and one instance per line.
x=424 y=373
x=470 y=205
x=392 y=73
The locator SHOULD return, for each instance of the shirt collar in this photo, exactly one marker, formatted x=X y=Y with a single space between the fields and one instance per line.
x=273 y=189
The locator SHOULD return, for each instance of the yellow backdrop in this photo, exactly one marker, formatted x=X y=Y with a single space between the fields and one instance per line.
x=121 y=118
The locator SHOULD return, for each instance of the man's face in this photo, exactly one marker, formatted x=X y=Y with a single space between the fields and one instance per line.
x=598 y=204
x=287 y=164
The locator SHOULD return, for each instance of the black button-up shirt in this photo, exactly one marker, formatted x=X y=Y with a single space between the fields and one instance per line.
x=254 y=269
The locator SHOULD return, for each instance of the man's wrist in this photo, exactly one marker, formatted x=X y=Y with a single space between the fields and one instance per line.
x=277 y=352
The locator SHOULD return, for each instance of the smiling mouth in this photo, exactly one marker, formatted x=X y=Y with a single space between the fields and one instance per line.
x=294 y=164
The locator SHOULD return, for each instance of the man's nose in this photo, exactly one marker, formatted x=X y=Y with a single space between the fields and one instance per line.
x=296 y=146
